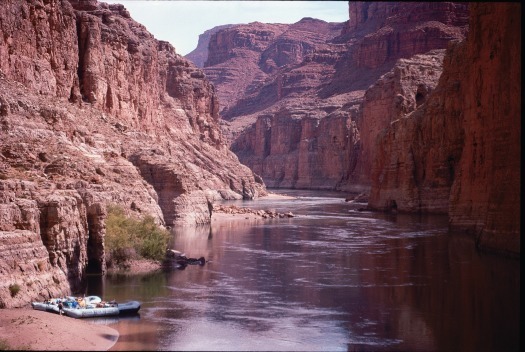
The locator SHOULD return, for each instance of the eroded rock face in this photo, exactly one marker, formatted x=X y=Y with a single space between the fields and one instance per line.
x=485 y=197
x=184 y=196
x=250 y=64
x=386 y=104
x=64 y=232
x=42 y=243
x=95 y=111
x=372 y=16
x=39 y=45
x=459 y=153
x=270 y=77
x=200 y=54
x=288 y=149
x=232 y=61
x=380 y=33
x=25 y=267
x=415 y=158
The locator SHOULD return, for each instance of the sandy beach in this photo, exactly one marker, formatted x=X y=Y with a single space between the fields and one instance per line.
x=28 y=329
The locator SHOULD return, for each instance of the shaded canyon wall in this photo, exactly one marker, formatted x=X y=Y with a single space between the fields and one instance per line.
x=460 y=153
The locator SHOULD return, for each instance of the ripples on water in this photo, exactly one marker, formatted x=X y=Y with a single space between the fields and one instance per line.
x=330 y=279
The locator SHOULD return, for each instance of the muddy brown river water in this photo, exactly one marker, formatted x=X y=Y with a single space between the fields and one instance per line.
x=332 y=278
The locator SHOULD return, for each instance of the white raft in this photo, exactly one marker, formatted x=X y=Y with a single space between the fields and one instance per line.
x=46 y=307
x=90 y=310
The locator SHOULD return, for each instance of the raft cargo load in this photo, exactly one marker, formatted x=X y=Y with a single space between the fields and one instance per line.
x=87 y=307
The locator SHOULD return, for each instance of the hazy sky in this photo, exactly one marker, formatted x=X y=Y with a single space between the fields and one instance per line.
x=180 y=22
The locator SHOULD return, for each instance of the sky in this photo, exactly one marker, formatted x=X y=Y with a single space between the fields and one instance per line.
x=180 y=22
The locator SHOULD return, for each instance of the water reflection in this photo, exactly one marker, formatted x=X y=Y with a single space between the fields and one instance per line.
x=332 y=278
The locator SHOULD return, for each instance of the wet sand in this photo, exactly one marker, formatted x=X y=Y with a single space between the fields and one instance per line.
x=28 y=329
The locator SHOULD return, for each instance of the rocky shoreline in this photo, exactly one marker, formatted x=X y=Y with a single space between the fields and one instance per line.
x=265 y=214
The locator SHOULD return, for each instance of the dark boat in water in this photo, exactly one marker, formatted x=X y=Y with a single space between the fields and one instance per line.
x=181 y=261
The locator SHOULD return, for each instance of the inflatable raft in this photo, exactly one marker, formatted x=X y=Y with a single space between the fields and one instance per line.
x=87 y=307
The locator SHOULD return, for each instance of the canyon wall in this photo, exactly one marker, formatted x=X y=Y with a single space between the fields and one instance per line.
x=199 y=55
x=459 y=153
x=397 y=93
x=290 y=148
x=485 y=196
x=94 y=111
x=400 y=101
x=269 y=77
x=414 y=158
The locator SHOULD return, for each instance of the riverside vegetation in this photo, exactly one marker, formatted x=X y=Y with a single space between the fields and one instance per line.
x=129 y=239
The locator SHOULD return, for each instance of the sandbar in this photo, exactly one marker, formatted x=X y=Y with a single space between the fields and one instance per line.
x=29 y=329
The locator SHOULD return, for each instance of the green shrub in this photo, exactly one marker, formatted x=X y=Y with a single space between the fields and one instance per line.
x=154 y=240
x=14 y=289
x=128 y=238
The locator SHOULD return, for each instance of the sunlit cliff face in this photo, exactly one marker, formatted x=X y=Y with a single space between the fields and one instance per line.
x=103 y=118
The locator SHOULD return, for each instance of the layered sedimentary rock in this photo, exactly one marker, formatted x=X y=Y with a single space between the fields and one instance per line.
x=250 y=64
x=396 y=94
x=270 y=77
x=375 y=14
x=95 y=111
x=485 y=197
x=360 y=109
x=390 y=30
x=301 y=148
x=232 y=60
x=199 y=55
x=267 y=75
x=415 y=158
x=460 y=153
x=43 y=241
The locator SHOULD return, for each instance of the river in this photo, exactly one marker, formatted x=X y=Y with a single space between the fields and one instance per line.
x=332 y=278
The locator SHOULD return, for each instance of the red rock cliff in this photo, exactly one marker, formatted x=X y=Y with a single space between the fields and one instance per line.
x=462 y=149
x=199 y=55
x=414 y=158
x=318 y=71
x=485 y=197
x=95 y=111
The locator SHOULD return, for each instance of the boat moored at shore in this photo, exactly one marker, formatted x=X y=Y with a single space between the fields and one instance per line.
x=86 y=307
